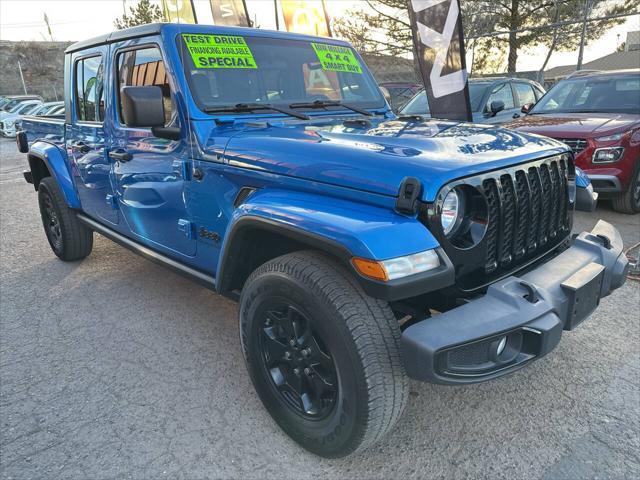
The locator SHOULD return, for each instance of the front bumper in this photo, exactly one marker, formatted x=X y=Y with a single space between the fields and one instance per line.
x=519 y=319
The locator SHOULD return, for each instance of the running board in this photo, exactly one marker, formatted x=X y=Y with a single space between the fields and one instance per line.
x=202 y=278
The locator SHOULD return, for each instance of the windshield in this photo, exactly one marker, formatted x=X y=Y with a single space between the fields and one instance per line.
x=224 y=70
x=419 y=105
x=13 y=108
x=592 y=95
x=26 y=109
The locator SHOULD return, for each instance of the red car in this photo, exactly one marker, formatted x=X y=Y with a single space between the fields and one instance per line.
x=598 y=115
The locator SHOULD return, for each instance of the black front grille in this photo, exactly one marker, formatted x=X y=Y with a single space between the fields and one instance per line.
x=532 y=208
x=577 y=145
x=527 y=215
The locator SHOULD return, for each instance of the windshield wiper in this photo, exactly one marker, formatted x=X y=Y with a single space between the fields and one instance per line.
x=250 y=107
x=331 y=103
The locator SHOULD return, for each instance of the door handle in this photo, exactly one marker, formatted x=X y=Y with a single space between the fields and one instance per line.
x=516 y=115
x=81 y=147
x=120 y=155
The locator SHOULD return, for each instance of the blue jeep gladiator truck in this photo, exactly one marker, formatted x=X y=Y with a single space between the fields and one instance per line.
x=364 y=248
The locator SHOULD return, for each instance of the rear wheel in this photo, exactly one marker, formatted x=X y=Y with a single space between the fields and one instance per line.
x=68 y=237
x=322 y=355
x=629 y=201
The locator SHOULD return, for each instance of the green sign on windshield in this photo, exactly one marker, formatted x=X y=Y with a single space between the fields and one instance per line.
x=336 y=58
x=219 y=51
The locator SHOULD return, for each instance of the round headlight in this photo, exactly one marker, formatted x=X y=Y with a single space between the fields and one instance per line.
x=451 y=211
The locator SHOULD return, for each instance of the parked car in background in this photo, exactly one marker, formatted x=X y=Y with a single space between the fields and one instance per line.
x=10 y=101
x=598 y=115
x=48 y=109
x=401 y=92
x=8 y=119
x=493 y=100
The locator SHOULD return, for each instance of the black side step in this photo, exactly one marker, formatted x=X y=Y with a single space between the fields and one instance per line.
x=200 y=277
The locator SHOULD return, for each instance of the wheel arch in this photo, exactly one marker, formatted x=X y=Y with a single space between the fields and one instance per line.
x=48 y=160
x=253 y=240
x=274 y=223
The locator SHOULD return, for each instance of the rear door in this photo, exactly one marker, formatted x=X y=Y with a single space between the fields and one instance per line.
x=85 y=139
x=152 y=179
x=501 y=92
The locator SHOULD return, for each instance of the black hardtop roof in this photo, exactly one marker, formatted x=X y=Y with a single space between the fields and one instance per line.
x=127 y=33
x=157 y=28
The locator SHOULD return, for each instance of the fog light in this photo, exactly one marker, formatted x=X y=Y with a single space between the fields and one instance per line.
x=501 y=344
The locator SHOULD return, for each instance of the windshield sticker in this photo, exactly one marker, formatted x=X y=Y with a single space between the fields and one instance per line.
x=219 y=51
x=336 y=58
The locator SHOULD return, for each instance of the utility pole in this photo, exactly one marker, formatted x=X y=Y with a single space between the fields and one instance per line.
x=24 y=87
x=587 y=11
x=275 y=9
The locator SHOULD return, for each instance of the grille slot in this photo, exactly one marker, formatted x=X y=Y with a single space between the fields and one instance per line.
x=577 y=145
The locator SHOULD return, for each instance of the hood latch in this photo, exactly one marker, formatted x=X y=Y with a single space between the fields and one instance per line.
x=407 y=202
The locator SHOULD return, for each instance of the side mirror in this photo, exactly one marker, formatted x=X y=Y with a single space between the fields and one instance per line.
x=385 y=94
x=497 y=106
x=142 y=106
x=526 y=108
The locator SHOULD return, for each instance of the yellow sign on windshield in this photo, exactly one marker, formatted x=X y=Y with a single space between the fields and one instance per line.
x=336 y=58
x=219 y=51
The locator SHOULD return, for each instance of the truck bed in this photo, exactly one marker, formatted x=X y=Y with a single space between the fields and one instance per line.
x=49 y=128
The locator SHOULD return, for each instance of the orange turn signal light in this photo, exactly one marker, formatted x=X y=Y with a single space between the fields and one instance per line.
x=370 y=268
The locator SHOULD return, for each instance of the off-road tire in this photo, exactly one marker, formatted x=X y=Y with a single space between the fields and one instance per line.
x=629 y=201
x=69 y=239
x=361 y=335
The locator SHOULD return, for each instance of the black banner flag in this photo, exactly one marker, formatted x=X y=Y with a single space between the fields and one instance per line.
x=439 y=46
x=230 y=12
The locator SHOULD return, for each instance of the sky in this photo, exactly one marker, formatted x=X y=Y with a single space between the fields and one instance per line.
x=80 y=19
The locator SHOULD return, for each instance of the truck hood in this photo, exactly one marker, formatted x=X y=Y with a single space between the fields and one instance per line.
x=575 y=125
x=376 y=155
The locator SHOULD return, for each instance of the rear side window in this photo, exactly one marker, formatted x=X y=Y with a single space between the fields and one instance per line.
x=145 y=67
x=501 y=92
x=89 y=94
x=525 y=93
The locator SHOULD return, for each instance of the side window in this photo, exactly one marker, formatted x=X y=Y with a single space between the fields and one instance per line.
x=539 y=93
x=525 y=93
x=145 y=67
x=501 y=92
x=89 y=92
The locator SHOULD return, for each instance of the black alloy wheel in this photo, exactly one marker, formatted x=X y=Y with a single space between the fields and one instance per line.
x=51 y=223
x=297 y=360
x=69 y=238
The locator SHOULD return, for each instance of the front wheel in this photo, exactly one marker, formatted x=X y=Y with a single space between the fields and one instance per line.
x=323 y=356
x=629 y=201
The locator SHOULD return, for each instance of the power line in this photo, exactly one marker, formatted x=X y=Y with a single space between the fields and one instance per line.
x=551 y=25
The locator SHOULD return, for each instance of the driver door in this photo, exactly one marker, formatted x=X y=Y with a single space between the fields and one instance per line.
x=149 y=172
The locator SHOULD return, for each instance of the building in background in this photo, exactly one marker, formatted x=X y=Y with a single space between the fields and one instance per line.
x=632 y=43
x=614 y=61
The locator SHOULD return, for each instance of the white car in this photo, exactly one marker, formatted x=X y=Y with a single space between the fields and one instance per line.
x=48 y=109
x=8 y=119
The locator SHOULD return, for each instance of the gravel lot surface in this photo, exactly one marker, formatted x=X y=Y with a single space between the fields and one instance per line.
x=117 y=367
